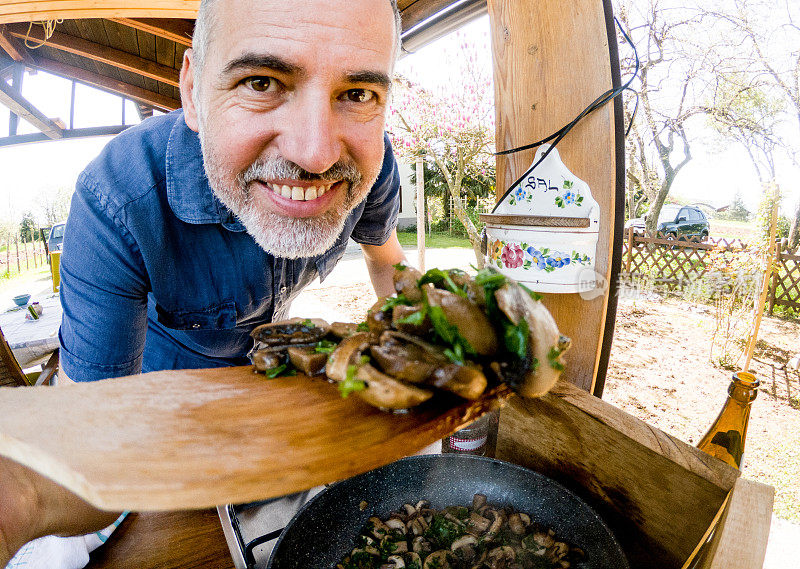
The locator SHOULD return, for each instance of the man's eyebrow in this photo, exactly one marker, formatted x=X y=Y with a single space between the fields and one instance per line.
x=250 y=61
x=373 y=77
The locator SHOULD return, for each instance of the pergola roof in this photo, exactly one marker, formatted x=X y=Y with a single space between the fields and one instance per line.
x=135 y=48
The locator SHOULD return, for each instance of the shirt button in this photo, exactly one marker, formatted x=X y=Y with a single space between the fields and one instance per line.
x=283 y=290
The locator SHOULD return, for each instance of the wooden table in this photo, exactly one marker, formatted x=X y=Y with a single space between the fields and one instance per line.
x=166 y=540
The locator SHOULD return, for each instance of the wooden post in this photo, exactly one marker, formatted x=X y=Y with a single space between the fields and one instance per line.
x=774 y=287
x=16 y=247
x=629 y=257
x=27 y=259
x=420 y=214
x=8 y=256
x=551 y=60
x=759 y=308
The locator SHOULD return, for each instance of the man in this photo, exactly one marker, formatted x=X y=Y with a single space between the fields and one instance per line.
x=195 y=227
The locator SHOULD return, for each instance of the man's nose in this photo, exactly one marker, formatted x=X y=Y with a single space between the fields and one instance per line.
x=310 y=137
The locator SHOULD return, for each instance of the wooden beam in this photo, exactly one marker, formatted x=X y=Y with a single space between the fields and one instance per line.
x=25 y=110
x=151 y=98
x=420 y=10
x=179 y=31
x=13 y=48
x=102 y=53
x=27 y=11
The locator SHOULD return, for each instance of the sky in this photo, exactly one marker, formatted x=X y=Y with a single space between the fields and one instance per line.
x=716 y=173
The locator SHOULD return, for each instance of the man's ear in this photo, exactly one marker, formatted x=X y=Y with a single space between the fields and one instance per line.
x=187 y=83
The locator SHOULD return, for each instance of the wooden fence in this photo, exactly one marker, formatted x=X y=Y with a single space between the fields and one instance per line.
x=675 y=264
x=671 y=262
x=785 y=288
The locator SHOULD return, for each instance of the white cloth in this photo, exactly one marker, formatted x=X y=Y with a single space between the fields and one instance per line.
x=53 y=552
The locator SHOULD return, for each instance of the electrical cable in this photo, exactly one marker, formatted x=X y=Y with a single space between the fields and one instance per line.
x=557 y=136
x=49 y=29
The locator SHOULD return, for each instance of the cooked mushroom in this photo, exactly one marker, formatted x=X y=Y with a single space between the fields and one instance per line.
x=396 y=524
x=546 y=343
x=464 y=540
x=465 y=381
x=394 y=562
x=266 y=359
x=518 y=523
x=346 y=353
x=499 y=519
x=471 y=322
x=378 y=528
x=404 y=362
x=500 y=554
x=378 y=319
x=307 y=359
x=421 y=545
x=478 y=501
x=437 y=560
x=405 y=282
x=388 y=393
x=343 y=329
x=403 y=319
x=412 y=558
x=290 y=332
x=478 y=523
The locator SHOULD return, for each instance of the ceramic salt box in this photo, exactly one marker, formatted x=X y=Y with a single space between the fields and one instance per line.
x=544 y=232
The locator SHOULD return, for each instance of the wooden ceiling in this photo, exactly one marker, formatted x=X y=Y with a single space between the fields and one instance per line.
x=131 y=48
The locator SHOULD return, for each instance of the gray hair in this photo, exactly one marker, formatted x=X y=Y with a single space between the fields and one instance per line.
x=206 y=22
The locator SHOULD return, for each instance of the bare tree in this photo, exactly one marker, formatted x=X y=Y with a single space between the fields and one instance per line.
x=766 y=39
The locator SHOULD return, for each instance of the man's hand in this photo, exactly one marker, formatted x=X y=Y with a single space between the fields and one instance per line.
x=380 y=261
x=33 y=506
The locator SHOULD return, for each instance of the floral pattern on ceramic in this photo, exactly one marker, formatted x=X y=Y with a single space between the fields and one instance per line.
x=509 y=255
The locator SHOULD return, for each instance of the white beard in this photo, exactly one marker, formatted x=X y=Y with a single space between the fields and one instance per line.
x=282 y=236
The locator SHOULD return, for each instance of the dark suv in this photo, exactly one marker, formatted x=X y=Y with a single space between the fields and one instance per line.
x=676 y=222
x=56 y=237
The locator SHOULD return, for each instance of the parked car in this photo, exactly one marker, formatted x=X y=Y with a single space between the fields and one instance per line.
x=676 y=222
x=56 y=237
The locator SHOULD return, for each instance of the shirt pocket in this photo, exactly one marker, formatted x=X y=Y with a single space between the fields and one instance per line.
x=328 y=260
x=217 y=317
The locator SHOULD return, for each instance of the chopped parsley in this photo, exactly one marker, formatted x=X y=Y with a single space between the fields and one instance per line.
x=393 y=301
x=400 y=267
x=450 y=334
x=362 y=327
x=274 y=372
x=552 y=357
x=516 y=338
x=350 y=384
x=325 y=347
x=440 y=277
x=415 y=318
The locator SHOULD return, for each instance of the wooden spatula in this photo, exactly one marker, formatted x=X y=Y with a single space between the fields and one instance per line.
x=193 y=439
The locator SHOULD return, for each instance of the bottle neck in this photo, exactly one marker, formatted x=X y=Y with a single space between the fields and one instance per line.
x=726 y=437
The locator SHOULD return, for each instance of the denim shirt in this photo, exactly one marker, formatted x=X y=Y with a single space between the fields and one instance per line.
x=156 y=273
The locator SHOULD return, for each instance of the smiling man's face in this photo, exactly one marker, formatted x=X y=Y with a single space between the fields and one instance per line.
x=290 y=106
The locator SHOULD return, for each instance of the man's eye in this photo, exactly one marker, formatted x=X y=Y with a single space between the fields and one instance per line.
x=262 y=84
x=360 y=95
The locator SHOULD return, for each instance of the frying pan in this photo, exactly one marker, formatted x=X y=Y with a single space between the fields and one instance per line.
x=324 y=530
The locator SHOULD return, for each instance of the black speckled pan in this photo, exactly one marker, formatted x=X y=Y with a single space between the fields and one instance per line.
x=324 y=530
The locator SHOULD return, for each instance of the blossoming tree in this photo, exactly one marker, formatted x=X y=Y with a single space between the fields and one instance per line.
x=452 y=128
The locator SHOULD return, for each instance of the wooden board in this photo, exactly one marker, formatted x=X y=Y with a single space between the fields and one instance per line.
x=740 y=540
x=658 y=494
x=198 y=438
x=551 y=60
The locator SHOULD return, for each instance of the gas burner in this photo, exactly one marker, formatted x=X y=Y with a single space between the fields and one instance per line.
x=251 y=530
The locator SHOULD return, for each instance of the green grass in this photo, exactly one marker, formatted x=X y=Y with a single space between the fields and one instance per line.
x=433 y=240
x=16 y=280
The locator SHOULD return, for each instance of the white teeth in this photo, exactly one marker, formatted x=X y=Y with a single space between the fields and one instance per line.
x=300 y=194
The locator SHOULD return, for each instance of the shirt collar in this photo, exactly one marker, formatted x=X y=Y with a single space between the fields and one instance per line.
x=188 y=192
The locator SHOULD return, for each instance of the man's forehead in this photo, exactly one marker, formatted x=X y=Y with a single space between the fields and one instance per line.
x=352 y=29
